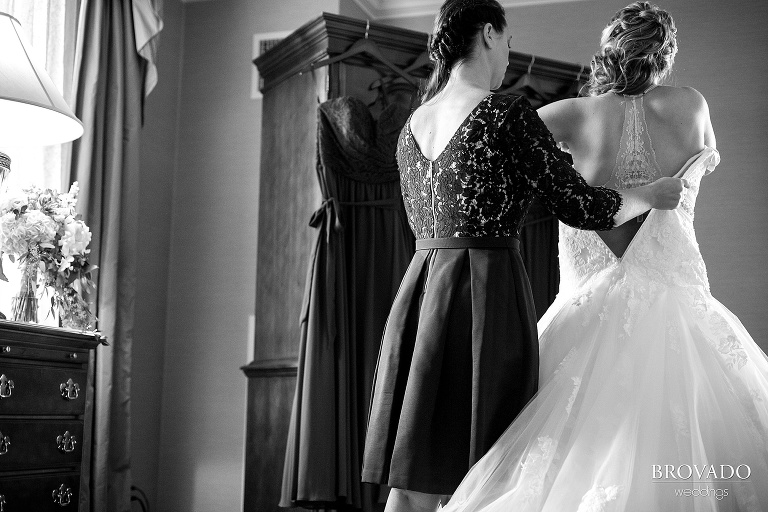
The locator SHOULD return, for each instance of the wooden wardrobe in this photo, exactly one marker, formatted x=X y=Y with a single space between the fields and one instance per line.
x=290 y=194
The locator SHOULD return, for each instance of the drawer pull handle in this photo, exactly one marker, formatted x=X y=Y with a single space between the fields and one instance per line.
x=5 y=442
x=66 y=443
x=6 y=386
x=62 y=496
x=69 y=390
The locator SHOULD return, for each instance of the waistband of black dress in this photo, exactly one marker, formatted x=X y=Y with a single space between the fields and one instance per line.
x=464 y=242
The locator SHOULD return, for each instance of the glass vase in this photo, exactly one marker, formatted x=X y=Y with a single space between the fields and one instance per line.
x=24 y=305
x=74 y=312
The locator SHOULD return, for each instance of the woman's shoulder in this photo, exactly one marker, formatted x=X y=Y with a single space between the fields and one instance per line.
x=497 y=109
x=568 y=110
x=510 y=108
x=684 y=99
x=684 y=91
x=683 y=106
x=503 y=101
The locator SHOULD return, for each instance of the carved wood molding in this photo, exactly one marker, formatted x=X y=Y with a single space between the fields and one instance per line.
x=286 y=367
x=332 y=34
x=389 y=9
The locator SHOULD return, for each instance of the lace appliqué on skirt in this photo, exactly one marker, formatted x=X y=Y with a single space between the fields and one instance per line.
x=598 y=497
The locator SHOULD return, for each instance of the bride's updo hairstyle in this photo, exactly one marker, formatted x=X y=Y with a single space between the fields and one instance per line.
x=636 y=47
x=456 y=27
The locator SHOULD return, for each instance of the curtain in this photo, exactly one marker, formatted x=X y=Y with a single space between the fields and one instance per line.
x=363 y=248
x=109 y=85
x=147 y=24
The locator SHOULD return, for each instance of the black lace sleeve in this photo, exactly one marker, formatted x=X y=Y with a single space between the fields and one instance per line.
x=562 y=190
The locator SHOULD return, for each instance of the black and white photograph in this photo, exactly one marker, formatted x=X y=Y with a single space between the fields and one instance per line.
x=383 y=256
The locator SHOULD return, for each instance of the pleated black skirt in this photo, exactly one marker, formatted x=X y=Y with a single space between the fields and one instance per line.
x=458 y=361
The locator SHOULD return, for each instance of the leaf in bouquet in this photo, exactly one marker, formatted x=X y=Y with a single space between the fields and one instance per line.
x=12 y=258
x=89 y=285
x=2 y=274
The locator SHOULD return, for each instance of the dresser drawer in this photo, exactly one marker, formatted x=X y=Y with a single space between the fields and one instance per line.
x=31 y=444
x=62 y=354
x=40 y=493
x=41 y=390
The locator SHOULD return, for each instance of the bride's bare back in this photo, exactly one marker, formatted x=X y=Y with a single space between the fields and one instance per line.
x=678 y=125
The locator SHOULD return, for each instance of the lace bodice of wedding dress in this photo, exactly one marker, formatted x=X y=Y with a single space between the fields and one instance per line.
x=665 y=246
x=663 y=249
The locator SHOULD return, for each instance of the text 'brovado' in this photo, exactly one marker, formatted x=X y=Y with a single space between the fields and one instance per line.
x=706 y=471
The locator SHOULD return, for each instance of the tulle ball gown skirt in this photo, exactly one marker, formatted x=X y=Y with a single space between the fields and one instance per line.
x=653 y=398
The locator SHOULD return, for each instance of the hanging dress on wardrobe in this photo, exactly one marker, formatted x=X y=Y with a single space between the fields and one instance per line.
x=362 y=251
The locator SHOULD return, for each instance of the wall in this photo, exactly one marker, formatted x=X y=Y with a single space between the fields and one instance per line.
x=351 y=9
x=721 y=53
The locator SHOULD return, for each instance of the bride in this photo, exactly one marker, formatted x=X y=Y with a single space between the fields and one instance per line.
x=653 y=396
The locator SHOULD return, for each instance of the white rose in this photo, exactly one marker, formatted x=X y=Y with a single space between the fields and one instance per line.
x=61 y=213
x=75 y=240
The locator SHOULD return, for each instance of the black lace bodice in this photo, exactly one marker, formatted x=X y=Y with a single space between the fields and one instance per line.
x=485 y=179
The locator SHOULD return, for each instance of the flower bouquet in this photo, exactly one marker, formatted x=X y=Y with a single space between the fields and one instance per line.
x=41 y=230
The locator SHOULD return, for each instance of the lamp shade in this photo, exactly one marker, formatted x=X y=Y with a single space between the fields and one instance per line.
x=32 y=110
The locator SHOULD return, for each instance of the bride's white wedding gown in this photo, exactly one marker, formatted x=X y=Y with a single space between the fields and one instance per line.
x=648 y=385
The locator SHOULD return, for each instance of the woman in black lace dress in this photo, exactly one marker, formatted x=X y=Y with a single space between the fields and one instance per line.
x=459 y=356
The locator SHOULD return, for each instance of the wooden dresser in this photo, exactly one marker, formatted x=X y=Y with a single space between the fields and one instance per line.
x=45 y=415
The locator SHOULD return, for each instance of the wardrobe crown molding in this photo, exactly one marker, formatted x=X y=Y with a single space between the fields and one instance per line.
x=332 y=34
x=390 y=9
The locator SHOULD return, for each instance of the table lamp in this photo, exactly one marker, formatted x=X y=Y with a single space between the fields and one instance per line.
x=32 y=110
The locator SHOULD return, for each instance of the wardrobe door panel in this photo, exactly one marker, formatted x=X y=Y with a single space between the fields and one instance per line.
x=289 y=193
x=269 y=411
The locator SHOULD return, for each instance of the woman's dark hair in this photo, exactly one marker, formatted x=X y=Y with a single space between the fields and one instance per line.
x=638 y=45
x=456 y=27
